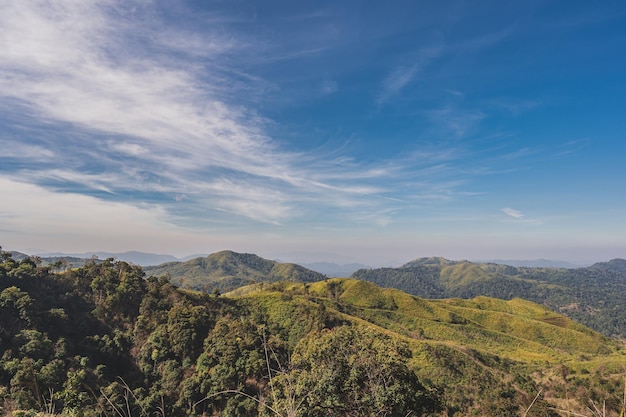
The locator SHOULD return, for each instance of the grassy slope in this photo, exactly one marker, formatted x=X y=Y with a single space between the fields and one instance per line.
x=512 y=327
x=466 y=346
x=593 y=296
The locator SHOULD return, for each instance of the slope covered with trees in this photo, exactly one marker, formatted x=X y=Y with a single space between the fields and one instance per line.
x=227 y=270
x=593 y=296
x=106 y=340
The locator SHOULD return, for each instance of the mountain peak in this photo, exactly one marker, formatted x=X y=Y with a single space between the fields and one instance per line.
x=226 y=270
x=615 y=265
x=432 y=260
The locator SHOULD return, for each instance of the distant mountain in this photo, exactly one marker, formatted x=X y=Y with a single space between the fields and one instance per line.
x=18 y=255
x=190 y=257
x=64 y=261
x=134 y=257
x=227 y=270
x=594 y=295
x=334 y=270
x=534 y=263
x=433 y=260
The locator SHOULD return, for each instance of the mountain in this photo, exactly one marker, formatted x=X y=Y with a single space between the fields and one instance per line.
x=134 y=257
x=433 y=260
x=18 y=255
x=534 y=263
x=227 y=270
x=614 y=265
x=56 y=262
x=103 y=340
x=593 y=295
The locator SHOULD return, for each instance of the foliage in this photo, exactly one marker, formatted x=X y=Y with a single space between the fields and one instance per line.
x=228 y=270
x=355 y=371
x=104 y=340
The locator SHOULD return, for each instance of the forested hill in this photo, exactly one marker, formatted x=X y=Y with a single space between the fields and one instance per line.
x=593 y=296
x=105 y=340
x=616 y=265
x=227 y=270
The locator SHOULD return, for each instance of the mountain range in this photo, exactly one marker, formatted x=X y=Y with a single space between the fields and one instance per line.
x=332 y=269
x=134 y=257
x=592 y=295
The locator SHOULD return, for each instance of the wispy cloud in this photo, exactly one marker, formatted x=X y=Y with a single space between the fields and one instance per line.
x=402 y=75
x=140 y=118
x=514 y=107
x=571 y=147
x=396 y=81
x=521 y=218
x=513 y=213
x=458 y=121
x=329 y=87
x=123 y=105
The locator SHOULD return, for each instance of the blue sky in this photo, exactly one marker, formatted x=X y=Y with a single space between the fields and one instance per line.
x=375 y=132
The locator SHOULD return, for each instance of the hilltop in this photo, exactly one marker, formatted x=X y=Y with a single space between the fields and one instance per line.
x=615 y=265
x=227 y=270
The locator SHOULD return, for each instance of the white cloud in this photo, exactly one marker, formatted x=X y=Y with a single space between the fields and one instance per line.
x=129 y=148
x=28 y=210
x=258 y=203
x=513 y=213
x=17 y=150
x=77 y=63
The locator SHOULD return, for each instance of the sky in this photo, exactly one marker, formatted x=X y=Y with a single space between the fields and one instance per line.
x=342 y=131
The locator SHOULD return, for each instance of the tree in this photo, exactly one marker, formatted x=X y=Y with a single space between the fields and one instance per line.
x=353 y=371
x=232 y=361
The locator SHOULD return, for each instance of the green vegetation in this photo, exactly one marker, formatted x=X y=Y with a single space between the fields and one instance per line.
x=227 y=270
x=593 y=296
x=105 y=340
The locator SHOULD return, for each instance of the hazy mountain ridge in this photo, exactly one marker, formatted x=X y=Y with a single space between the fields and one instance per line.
x=134 y=257
x=334 y=270
x=329 y=268
x=533 y=263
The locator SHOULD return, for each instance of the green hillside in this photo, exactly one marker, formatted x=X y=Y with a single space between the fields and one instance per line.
x=227 y=270
x=593 y=296
x=104 y=340
x=617 y=265
x=511 y=328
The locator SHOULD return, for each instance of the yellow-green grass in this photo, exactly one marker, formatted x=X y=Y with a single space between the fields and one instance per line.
x=516 y=329
x=461 y=346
